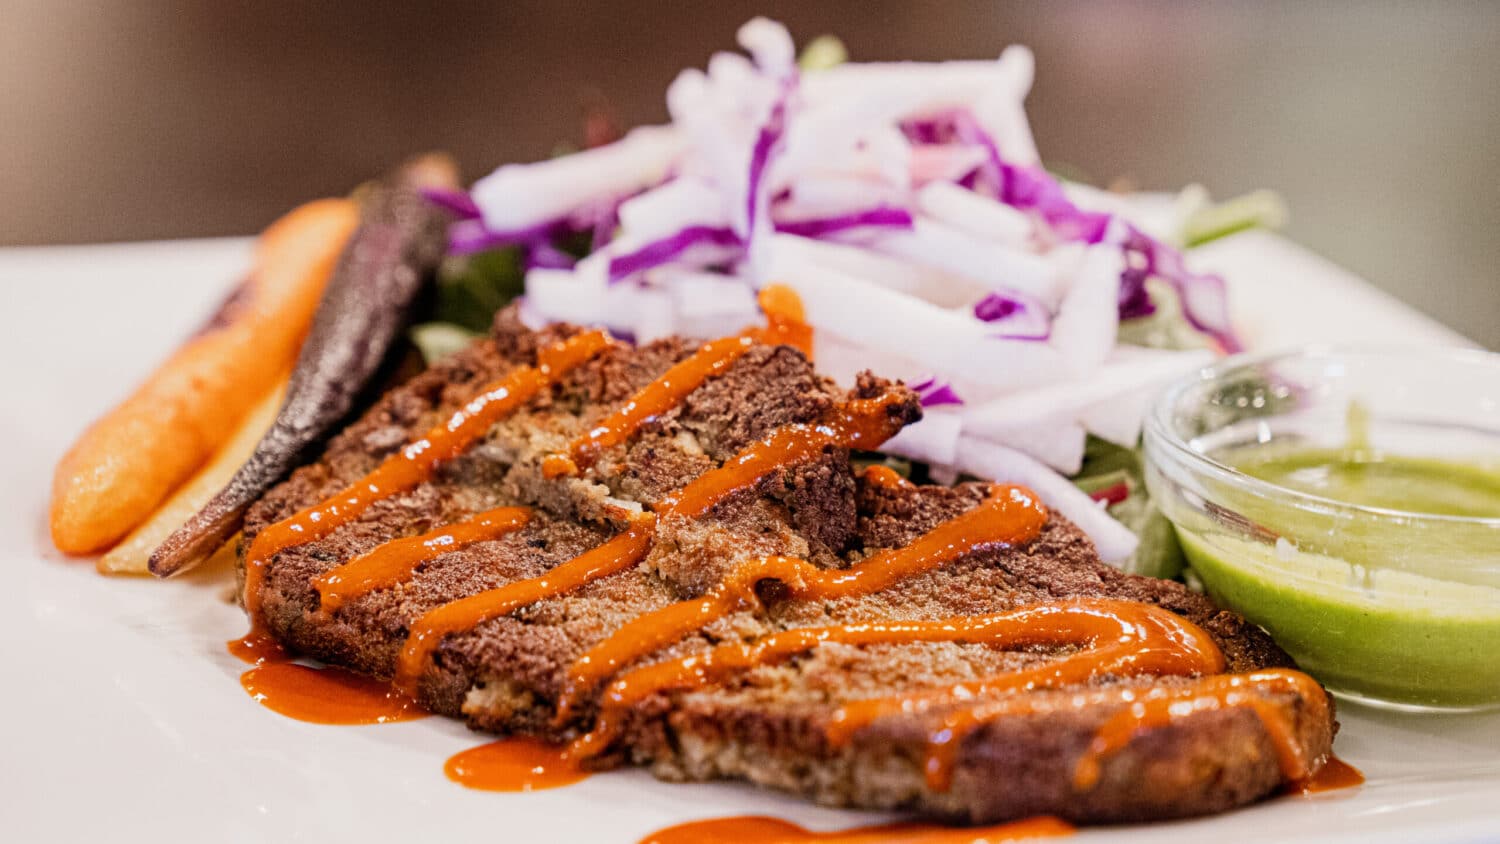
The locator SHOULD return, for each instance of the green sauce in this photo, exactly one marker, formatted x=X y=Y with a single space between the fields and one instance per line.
x=1387 y=635
x=1373 y=479
x=1378 y=605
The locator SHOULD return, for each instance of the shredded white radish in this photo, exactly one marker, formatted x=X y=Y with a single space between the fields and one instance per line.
x=1118 y=422
x=671 y=207
x=828 y=195
x=983 y=459
x=652 y=316
x=708 y=305
x=932 y=440
x=992 y=264
x=936 y=338
x=519 y=196
x=577 y=295
x=971 y=213
x=943 y=164
x=770 y=45
x=1132 y=374
x=905 y=204
x=800 y=254
x=1088 y=318
x=1059 y=443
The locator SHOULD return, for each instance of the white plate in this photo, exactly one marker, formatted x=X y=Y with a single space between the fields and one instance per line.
x=123 y=719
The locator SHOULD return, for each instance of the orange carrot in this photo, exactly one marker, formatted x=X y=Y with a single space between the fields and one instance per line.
x=122 y=467
x=133 y=554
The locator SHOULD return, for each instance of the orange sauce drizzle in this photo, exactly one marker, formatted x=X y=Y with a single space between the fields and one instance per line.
x=428 y=631
x=1009 y=515
x=860 y=423
x=513 y=764
x=1157 y=707
x=763 y=830
x=886 y=478
x=1117 y=638
x=558 y=466
x=1115 y=634
x=658 y=397
x=416 y=461
x=1334 y=775
x=396 y=561
x=786 y=319
x=785 y=324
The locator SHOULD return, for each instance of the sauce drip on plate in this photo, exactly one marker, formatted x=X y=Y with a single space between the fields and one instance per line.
x=763 y=830
x=317 y=695
x=327 y=695
x=513 y=764
x=1335 y=775
x=256 y=647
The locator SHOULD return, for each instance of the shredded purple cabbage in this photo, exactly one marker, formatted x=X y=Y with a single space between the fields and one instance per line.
x=1135 y=301
x=1018 y=317
x=458 y=201
x=659 y=252
x=933 y=392
x=543 y=255
x=467 y=237
x=883 y=216
x=768 y=143
x=760 y=157
x=600 y=219
x=1204 y=300
x=1028 y=188
x=930 y=130
x=1203 y=296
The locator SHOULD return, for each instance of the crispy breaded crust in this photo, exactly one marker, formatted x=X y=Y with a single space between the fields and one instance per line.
x=766 y=726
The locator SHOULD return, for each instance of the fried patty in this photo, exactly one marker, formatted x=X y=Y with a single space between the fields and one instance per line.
x=766 y=725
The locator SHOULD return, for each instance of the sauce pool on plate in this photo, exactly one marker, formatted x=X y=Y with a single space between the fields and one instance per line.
x=763 y=830
x=317 y=695
x=514 y=764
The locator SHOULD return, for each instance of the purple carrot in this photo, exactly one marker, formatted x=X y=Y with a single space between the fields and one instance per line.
x=400 y=240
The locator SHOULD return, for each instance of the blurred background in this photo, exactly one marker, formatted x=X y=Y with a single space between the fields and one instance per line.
x=147 y=119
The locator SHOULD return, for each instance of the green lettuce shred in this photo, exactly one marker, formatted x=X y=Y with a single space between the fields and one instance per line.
x=1262 y=209
x=821 y=53
x=471 y=288
x=1106 y=465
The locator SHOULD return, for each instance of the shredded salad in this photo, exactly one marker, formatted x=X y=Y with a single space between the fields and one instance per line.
x=907 y=206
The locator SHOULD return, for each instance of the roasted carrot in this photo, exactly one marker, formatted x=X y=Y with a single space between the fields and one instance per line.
x=133 y=553
x=400 y=241
x=129 y=461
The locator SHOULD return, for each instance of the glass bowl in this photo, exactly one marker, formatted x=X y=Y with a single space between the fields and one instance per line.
x=1384 y=604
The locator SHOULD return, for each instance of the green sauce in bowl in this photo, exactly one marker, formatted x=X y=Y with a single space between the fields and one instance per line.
x=1372 y=478
x=1349 y=503
x=1388 y=635
x=1355 y=615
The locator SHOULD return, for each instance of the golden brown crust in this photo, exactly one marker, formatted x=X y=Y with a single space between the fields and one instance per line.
x=766 y=725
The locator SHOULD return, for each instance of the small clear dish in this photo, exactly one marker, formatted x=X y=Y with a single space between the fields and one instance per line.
x=1347 y=500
